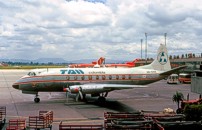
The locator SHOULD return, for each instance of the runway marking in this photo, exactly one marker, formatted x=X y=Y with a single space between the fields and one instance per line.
x=10 y=92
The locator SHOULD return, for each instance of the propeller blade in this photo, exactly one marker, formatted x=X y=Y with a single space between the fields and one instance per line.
x=106 y=94
x=77 y=97
x=67 y=97
x=66 y=94
x=81 y=95
x=67 y=90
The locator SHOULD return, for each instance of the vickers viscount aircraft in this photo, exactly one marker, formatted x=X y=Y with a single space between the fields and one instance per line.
x=95 y=81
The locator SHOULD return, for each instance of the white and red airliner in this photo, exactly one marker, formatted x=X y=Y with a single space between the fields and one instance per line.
x=95 y=81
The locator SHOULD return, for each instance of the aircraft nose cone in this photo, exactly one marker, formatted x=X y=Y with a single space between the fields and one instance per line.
x=16 y=86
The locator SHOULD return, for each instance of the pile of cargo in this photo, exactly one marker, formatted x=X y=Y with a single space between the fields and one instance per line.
x=2 y=116
x=64 y=126
x=41 y=121
x=143 y=120
x=16 y=124
x=162 y=121
x=127 y=121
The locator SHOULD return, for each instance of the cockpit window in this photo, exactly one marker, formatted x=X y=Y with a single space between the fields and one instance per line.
x=31 y=74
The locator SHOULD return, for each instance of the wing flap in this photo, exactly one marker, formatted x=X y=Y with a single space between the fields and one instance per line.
x=121 y=86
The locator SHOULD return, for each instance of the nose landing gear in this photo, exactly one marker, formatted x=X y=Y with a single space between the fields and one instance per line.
x=37 y=99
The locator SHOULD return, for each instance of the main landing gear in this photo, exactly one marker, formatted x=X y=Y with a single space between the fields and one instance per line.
x=37 y=99
x=101 y=98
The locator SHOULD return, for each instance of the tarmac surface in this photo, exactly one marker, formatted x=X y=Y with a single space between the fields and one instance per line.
x=155 y=97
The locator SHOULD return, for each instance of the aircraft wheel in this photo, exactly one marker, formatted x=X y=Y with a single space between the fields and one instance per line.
x=101 y=99
x=84 y=98
x=36 y=100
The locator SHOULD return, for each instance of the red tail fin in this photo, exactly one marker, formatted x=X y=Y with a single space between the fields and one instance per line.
x=101 y=61
x=135 y=60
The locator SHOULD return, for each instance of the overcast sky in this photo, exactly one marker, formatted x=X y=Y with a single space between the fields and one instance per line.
x=85 y=29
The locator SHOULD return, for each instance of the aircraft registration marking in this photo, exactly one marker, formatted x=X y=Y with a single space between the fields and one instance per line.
x=151 y=72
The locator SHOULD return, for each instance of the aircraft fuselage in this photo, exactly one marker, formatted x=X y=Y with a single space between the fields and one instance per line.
x=57 y=79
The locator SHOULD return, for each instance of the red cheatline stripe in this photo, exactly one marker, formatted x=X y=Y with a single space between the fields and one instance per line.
x=50 y=81
x=86 y=75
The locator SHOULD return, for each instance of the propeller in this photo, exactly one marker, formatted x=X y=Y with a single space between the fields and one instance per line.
x=67 y=90
x=74 y=89
x=79 y=94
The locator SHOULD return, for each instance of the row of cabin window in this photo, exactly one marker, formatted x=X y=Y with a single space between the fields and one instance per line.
x=98 y=77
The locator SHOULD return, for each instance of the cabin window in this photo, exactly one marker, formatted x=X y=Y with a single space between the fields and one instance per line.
x=103 y=77
x=82 y=77
x=110 y=77
x=75 y=77
x=97 y=77
x=123 y=76
x=144 y=76
x=129 y=76
x=93 y=77
x=117 y=77
x=31 y=74
x=67 y=77
x=85 y=77
x=126 y=76
x=90 y=77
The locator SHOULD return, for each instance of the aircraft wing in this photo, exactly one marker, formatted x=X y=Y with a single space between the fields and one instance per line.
x=99 y=88
x=119 y=86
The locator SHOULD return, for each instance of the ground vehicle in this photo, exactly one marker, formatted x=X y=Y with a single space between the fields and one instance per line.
x=185 y=78
x=173 y=79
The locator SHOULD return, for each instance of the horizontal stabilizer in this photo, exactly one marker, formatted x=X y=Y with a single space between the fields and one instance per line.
x=169 y=72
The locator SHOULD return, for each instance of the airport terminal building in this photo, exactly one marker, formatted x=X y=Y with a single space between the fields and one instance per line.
x=196 y=81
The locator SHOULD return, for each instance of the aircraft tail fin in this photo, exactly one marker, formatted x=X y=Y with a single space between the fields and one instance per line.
x=161 y=62
x=136 y=60
x=101 y=61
